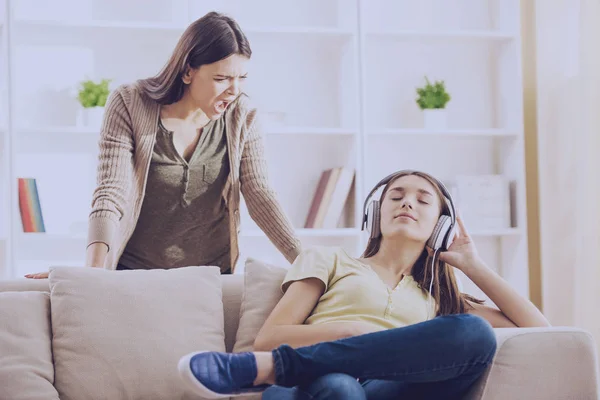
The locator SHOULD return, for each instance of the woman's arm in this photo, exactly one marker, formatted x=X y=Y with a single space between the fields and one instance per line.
x=95 y=255
x=514 y=310
x=285 y=323
x=263 y=206
x=115 y=172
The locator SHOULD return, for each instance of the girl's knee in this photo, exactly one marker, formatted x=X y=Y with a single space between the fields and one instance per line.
x=476 y=335
x=337 y=387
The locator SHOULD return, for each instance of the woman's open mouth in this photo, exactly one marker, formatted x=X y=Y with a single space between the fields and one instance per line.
x=221 y=105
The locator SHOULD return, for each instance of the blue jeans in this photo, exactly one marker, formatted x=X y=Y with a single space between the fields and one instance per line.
x=440 y=358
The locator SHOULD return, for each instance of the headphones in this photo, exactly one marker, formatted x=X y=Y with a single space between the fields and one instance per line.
x=442 y=234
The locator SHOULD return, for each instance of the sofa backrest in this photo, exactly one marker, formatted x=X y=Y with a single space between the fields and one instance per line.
x=24 y=285
x=233 y=286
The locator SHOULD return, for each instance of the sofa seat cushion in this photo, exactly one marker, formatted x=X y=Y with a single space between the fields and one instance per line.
x=120 y=334
x=26 y=370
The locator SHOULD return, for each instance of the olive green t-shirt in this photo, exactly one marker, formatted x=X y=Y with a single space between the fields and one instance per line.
x=183 y=220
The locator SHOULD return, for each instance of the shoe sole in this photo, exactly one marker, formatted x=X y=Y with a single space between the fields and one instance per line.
x=185 y=372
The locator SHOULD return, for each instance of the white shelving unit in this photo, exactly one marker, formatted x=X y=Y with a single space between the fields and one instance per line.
x=334 y=79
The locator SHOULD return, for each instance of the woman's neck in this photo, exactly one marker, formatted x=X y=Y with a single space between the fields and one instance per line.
x=185 y=111
x=398 y=257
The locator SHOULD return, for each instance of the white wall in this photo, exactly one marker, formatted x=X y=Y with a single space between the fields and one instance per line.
x=568 y=125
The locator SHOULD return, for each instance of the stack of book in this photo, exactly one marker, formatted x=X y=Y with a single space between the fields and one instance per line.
x=29 y=206
x=330 y=198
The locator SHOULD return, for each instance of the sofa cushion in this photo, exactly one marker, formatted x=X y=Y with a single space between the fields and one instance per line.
x=233 y=287
x=262 y=292
x=26 y=370
x=120 y=334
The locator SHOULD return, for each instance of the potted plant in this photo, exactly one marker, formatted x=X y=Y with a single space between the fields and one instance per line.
x=432 y=99
x=92 y=96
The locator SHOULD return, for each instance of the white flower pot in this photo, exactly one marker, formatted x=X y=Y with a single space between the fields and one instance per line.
x=91 y=117
x=435 y=119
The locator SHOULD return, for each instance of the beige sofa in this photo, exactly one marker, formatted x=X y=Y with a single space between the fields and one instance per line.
x=555 y=363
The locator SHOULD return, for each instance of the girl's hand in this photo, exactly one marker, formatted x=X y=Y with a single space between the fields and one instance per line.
x=462 y=253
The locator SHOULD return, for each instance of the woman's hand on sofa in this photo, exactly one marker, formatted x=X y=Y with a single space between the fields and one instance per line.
x=39 y=275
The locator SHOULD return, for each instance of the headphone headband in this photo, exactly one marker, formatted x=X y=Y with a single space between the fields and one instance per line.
x=391 y=176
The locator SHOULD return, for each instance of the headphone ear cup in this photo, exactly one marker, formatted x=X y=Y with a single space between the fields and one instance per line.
x=440 y=238
x=369 y=217
x=376 y=220
x=373 y=219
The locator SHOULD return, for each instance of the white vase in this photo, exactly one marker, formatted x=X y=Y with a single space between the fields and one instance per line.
x=435 y=119
x=91 y=117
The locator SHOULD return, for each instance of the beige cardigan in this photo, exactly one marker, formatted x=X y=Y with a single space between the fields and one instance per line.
x=126 y=144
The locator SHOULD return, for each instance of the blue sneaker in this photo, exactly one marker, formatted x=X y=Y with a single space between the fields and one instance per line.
x=215 y=375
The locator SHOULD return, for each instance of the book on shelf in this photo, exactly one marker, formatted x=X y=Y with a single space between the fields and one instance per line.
x=29 y=206
x=330 y=198
x=484 y=201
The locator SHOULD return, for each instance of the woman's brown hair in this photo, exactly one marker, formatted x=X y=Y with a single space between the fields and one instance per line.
x=445 y=290
x=209 y=39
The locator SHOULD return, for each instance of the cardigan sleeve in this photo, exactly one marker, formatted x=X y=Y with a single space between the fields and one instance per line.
x=261 y=199
x=115 y=171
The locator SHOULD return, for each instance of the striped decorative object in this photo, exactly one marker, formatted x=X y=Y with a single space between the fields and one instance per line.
x=29 y=205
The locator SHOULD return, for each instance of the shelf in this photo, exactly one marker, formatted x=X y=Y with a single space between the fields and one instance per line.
x=53 y=139
x=495 y=232
x=44 y=236
x=448 y=133
x=298 y=130
x=93 y=132
x=355 y=232
x=166 y=27
x=422 y=34
x=58 y=130
x=305 y=30
x=255 y=233
x=303 y=232
x=179 y=28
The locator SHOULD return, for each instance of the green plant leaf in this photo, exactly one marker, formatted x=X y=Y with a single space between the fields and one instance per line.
x=92 y=94
x=432 y=96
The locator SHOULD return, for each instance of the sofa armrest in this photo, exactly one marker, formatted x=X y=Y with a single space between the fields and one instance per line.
x=540 y=363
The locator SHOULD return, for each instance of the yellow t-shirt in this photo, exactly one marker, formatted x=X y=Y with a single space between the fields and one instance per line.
x=354 y=291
